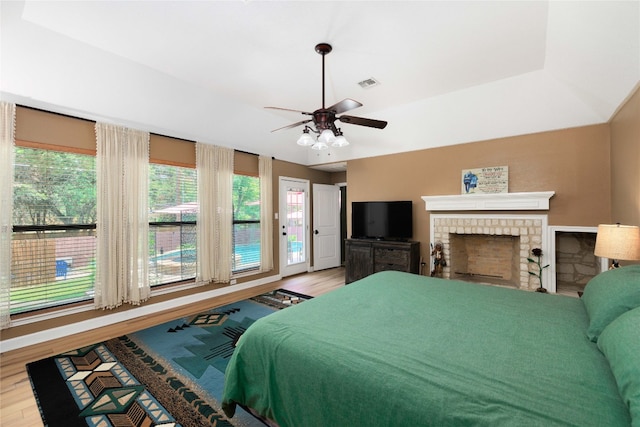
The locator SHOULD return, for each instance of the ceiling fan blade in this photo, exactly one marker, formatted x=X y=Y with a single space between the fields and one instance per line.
x=344 y=105
x=288 y=109
x=361 y=121
x=293 y=125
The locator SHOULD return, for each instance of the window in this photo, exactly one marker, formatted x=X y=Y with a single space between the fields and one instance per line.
x=54 y=219
x=54 y=214
x=172 y=224
x=246 y=223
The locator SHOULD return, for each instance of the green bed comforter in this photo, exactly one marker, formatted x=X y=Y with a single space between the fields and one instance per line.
x=397 y=349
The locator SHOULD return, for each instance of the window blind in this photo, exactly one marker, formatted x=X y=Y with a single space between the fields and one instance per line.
x=53 y=245
x=246 y=223
x=172 y=223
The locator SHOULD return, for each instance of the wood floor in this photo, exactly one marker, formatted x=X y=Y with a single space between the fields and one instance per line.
x=17 y=404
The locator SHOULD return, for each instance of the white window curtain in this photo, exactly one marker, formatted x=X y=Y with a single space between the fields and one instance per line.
x=266 y=213
x=7 y=143
x=122 y=225
x=214 y=167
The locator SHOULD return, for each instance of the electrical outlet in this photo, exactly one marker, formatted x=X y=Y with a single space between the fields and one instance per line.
x=233 y=281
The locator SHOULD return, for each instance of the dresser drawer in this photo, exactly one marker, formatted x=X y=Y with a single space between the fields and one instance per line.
x=390 y=267
x=364 y=257
x=391 y=256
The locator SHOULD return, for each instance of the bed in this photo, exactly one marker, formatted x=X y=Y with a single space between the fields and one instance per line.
x=401 y=349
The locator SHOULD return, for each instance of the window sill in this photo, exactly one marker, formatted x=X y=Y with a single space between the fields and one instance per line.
x=81 y=307
x=17 y=337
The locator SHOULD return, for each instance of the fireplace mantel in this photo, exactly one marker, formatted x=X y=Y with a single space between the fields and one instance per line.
x=490 y=202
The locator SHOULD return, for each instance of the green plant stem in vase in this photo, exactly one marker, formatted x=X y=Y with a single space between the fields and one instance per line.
x=537 y=252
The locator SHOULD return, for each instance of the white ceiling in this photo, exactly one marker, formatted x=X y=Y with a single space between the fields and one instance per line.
x=450 y=72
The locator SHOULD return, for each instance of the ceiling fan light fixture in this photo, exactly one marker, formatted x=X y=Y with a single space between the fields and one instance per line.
x=340 y=140
x=327 y=137
x=319 y=145
x=306 y=140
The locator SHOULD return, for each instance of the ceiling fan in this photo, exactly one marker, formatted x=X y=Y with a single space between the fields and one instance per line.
x=324 y=118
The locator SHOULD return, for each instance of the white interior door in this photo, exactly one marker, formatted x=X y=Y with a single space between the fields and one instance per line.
x=326 y=226
x=293 y=226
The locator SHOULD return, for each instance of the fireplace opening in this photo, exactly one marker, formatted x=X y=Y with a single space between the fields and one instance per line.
x=575 y=262
x=482 y=258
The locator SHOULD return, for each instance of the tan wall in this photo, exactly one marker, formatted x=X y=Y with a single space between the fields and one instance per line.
x=625 y=158
x=338 y=177
x=573 y=162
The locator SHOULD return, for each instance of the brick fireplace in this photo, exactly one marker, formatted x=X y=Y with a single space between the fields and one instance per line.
x=496 y=246
x=492 y=248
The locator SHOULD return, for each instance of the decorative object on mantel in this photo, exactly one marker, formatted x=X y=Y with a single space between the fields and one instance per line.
x=537 y=252
x=485 y=180
x=438 y=260
x=618 y=242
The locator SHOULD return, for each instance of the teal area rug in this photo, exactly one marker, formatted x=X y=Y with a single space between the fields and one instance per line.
x=167 y=375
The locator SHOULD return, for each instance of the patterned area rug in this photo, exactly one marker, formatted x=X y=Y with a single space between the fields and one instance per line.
x=168 y=375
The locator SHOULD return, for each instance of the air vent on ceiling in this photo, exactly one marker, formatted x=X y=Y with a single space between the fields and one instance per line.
x=367 y=83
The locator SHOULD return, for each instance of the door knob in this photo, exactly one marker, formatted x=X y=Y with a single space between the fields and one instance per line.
x=316 y=232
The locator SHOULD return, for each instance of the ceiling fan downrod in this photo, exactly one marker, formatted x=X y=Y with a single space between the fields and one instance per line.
x=323 y=49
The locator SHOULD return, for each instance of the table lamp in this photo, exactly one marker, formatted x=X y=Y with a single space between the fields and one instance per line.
x=616 y=242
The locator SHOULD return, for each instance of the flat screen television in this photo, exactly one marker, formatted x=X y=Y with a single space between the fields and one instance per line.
x=382 y=220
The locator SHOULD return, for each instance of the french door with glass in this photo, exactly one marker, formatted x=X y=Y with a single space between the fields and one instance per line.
x=293 y=226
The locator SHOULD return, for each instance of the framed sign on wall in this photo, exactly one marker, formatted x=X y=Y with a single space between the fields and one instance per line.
x=493 y=179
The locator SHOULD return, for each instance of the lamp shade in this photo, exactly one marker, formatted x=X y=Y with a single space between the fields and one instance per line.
x=617 y=242
x=340 y=141
x=320 y=145
x=306 y=139
x=326 y=136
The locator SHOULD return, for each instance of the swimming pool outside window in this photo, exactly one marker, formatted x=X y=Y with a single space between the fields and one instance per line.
x=246 y=223
x=172 y=224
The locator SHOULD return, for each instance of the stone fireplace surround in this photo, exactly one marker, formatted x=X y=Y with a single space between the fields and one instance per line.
x=531 y=230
